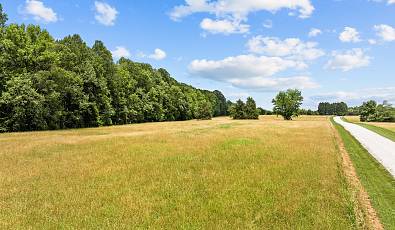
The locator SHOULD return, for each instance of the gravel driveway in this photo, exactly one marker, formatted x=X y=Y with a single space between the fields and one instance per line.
x=378 y=146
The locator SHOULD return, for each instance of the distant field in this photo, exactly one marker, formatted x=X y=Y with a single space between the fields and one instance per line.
x=352 y=118
x=194 y=174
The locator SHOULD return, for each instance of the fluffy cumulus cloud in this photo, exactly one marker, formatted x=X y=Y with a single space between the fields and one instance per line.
x=357 y=97
x=120 y=51
x=314 y=32
x=385 y=32
x=349 y=34
x=105 y=14
x=223 y=26
x=231 y=14
x=39 y=11
x=290 y=48
x=158 y=54
x=348 y=60
x=251 y=72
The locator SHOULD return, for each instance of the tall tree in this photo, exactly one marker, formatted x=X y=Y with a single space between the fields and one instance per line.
x=250 y=109
x=3 y=17
x=287 y=103
x=237 y=111
x=368 y=109
x=21 y=107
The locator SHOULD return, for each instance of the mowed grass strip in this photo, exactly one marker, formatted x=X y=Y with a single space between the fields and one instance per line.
x=385 y=129
x=218 y=174
x=378 y=182
x=379 y=130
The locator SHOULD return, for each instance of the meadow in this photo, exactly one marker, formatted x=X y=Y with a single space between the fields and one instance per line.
x=215 y=174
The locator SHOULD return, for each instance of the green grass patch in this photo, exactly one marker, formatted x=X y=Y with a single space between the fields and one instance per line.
x=377 y=181
x=379 y=130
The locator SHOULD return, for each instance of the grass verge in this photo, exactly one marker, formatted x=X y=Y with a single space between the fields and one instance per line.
x=385 y=132
x=379 y=130
x=377 y=181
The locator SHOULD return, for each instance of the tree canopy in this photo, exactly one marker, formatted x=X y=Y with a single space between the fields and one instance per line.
x=287 y=103
x=326 y=108
x=371 y=111
x=56 y=84
x=3 y=17
x=241 y=110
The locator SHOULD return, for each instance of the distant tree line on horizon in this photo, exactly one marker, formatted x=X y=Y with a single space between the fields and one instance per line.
x=56 y=84
x=338 y=108
x=368 y=111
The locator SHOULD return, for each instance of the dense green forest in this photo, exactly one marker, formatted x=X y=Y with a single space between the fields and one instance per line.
x=338 y=108
x=56 y=84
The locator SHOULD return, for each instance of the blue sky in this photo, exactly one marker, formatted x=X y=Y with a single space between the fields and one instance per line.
x=332 y=50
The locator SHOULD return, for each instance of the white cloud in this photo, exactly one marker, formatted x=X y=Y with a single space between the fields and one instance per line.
x=314 y=32
x=372 y=41
x=105 y=14
x=268 y=24
x=240 y=8
x=241 y=66
x=158 y=54
x=385 y=32
x=230 y=14
x=357 y=97
x=349 y=35
x=290 y=48
x=251 y=72
x=389 y=2
x=272 y=84
x=224 y=26
x=120 y=51
x=348 y=60
x=39 y=11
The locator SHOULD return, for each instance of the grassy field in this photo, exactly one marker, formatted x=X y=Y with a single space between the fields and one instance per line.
x=216 y=174
x=386 y=129
x=377 y=181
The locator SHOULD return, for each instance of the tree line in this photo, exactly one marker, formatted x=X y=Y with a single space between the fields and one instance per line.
x=338 y=108
x=368 y=111
x=56 y=84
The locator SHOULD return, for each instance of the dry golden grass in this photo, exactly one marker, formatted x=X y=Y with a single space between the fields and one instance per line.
x=352 y=118
x=194 y=174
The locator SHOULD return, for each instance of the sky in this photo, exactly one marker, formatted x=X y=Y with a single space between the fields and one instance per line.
x=332 y=50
